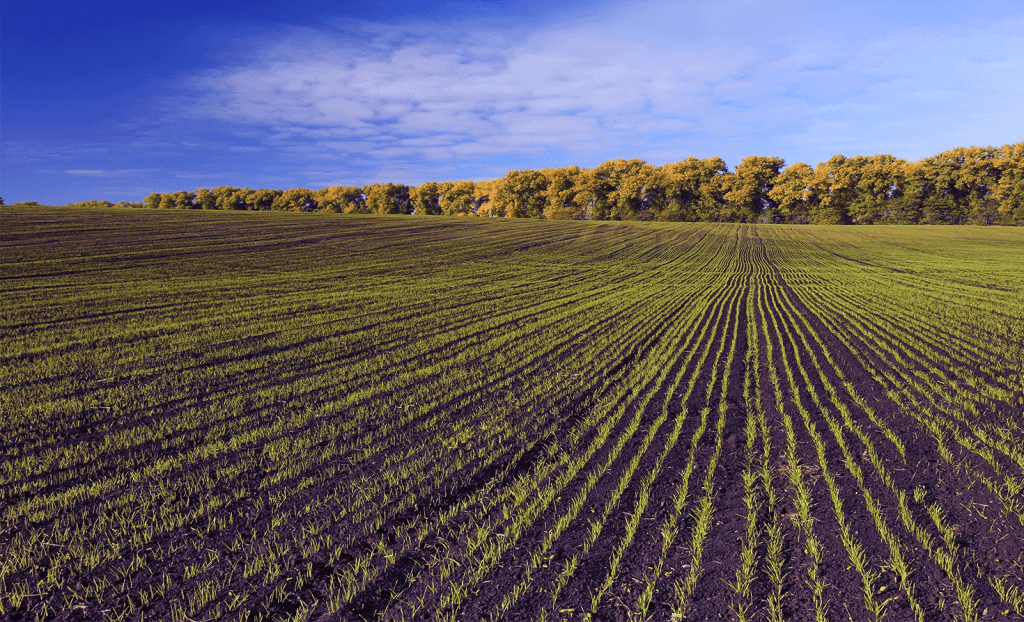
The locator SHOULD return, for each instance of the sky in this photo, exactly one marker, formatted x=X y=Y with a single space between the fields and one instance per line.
x=115 y=100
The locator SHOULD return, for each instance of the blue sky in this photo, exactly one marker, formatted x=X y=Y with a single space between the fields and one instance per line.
x=115 y=101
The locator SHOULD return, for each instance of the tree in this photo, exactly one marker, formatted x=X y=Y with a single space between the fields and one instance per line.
x=562 y=196
x=631 y=201
x=262 y=199
x=296 y=200
x=205 y=199
x=387 y=198
x=882 y=182
x=748 y=189
x=520 y=194
x=688 y=190
x=256 y=199
x=229 y=198
x=84 y=204
x=861 y=189
x=792 y=193
x=455 y=198
x=594 y=194
x=961 y=183
x=183 y=199
x=835 y=185
x=341 y=199
x=1009 y=192
x=982 y=185
x=907 y=205
x=424 y=199
x=920 y=197
x=616 y=189
x=482 y=193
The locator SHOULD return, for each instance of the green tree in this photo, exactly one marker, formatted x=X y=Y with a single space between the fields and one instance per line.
x=907 y=204
x=748 y=190
x=688 y=190
x=835 y=186
x=263 y=199
x=84 y=204
x=632 y=201
x=616 y=190
x=153 y=201
x=960 y=184
x=864 y=188
x=792 y=193
x=934 y=206
x=184 y=199
x=1009 y=192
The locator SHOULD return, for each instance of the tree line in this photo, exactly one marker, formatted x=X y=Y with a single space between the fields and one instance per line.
x=966 y=185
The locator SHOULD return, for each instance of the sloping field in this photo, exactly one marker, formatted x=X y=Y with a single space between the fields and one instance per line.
x=305 y=416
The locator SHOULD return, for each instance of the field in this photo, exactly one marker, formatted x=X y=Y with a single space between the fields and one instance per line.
x=271 y=416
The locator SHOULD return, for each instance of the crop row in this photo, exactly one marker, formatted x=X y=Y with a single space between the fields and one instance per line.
x=285 y=415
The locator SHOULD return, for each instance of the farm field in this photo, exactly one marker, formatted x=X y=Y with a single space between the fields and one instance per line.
x=268 y=416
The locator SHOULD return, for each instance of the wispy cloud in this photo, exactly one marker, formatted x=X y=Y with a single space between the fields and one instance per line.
x=475 y=96
x=90 y=173
x=443 y=96
x=108 y=173
x=412 y=95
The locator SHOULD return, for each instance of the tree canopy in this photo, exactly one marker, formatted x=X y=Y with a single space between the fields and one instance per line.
x=978 y=185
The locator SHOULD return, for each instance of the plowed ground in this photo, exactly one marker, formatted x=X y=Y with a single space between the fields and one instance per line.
x=317 y=417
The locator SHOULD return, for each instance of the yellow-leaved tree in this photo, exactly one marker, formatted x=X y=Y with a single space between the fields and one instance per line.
x=520 y=194
x=296 y=200
x=793 y=193
x=687 y=190
x=425 y=198
x=455 y=198
x=616 y=189
x=747 y=190
x=387 y=198
x=1009 y=192
x=562 y=200
x=341 y=199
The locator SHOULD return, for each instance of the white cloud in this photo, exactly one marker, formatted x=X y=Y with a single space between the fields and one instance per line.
x=648 y=80
x=107 y=173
